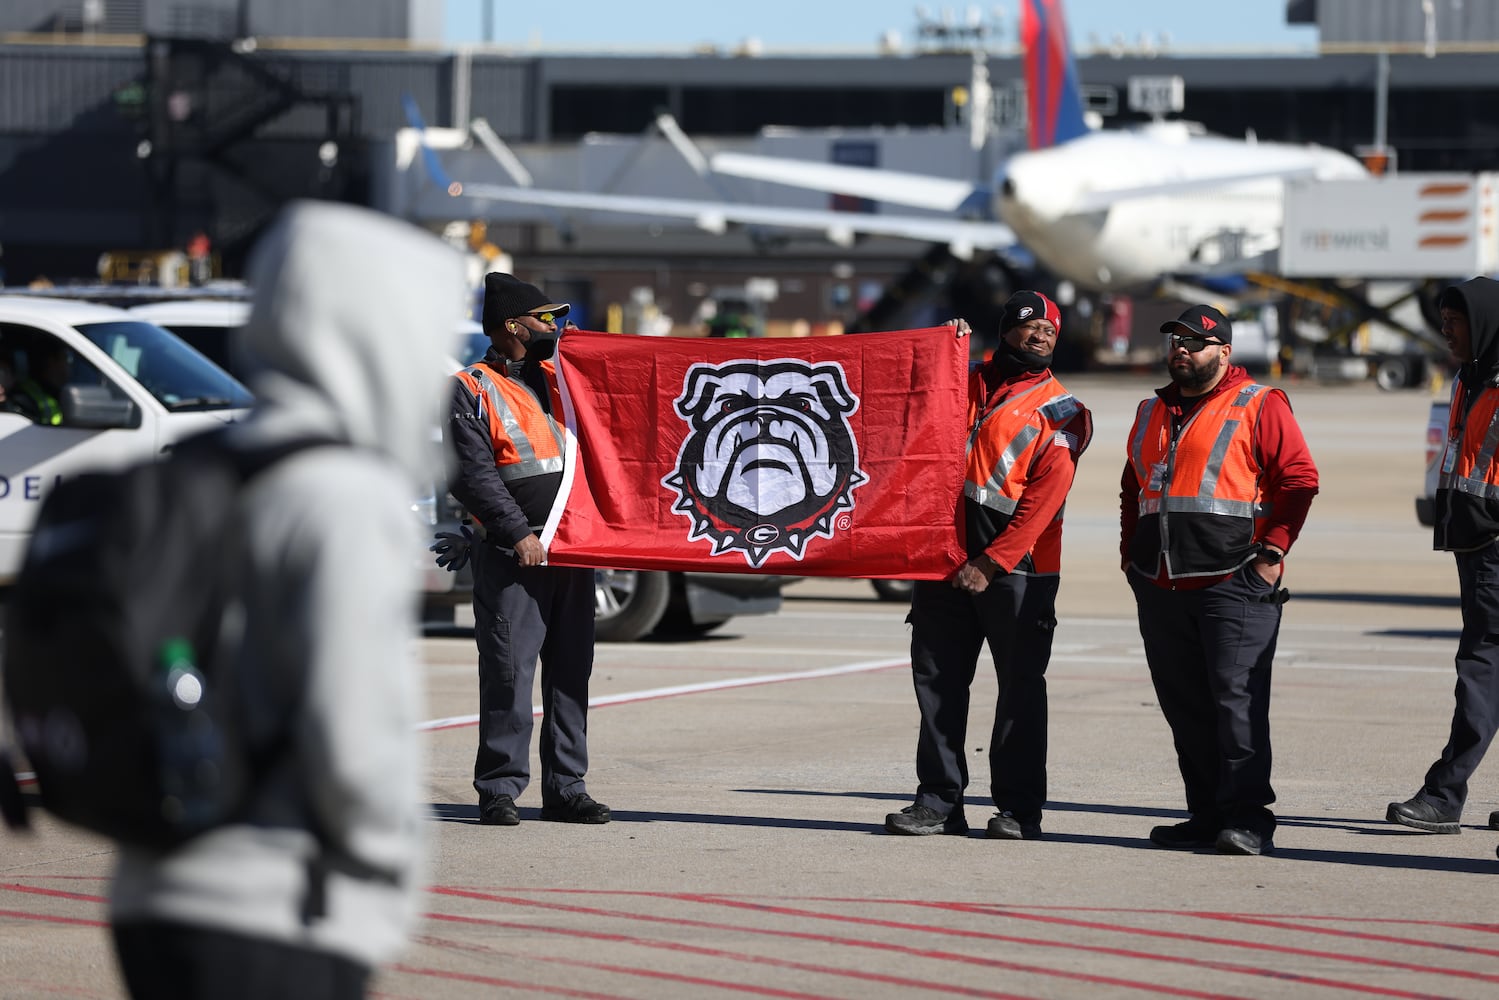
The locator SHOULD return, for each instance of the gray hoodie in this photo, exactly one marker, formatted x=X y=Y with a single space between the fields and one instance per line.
x=354 y=314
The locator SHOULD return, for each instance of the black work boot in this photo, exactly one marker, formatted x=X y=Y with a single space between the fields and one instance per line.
x=1419 y=814
x=919 y=821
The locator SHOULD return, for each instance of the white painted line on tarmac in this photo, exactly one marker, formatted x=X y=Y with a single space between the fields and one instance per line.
x=652 y=694
x=1280 y=664
x=1287 y=625
x=1372 y=668
x=724 y=649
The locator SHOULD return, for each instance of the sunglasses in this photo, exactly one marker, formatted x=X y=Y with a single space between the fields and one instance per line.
x=544 y=317
x=1192 y=344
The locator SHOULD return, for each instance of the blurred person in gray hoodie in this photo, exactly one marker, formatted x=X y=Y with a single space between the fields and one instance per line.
x=321 y=879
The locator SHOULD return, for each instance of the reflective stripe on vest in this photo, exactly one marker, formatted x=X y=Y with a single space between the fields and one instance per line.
x=1003 y=446
x=1216 y=490
x=48 y=412
x=1054 y=413
x=1475 y=435
x=527 y=441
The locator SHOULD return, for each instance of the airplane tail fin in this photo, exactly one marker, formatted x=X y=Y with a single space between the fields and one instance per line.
x=435 y=170
x=1054 y=101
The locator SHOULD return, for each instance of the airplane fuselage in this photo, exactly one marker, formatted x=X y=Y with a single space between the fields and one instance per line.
x=1088 y=211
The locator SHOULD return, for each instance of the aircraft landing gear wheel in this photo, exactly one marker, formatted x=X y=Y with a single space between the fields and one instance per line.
x=1392 y=374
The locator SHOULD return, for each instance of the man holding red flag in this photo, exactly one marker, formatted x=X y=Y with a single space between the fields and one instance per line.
x=510 y=450
x=1026 y=435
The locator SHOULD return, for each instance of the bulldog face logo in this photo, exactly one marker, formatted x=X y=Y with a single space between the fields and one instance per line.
x=771 y=460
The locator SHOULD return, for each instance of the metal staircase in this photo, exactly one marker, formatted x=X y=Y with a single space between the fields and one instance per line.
x=207 y=99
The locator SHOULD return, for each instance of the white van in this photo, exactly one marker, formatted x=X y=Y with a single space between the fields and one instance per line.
x=131 y=391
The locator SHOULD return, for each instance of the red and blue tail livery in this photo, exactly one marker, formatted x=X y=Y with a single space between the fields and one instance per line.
x=1054 y=102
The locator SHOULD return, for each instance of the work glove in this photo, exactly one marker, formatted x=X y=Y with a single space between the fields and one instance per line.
x=453 y=548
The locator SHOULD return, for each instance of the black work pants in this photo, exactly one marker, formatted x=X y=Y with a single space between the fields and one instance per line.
x=522 y=615
x=1210 y=653
x=1475 y=713
x=1016 y=616
x=168 y=961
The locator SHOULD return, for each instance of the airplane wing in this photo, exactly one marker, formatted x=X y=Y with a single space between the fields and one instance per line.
x=1103 y=198
x=963 y=237
x=896 y=187
x=716 y=216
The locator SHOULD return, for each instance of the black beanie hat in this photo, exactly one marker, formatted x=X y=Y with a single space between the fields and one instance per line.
x=1025 y=306
x=506 y=297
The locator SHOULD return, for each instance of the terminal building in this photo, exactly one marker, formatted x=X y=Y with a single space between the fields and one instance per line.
x=142 y=125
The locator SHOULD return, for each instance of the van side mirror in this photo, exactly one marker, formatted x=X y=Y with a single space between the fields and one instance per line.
x=95 y=407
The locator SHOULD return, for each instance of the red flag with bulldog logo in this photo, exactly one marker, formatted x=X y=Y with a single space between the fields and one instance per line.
x=829 y=456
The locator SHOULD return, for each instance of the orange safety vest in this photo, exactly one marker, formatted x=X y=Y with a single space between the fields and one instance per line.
x=1200 y=503
x=1002 y=446
x=1468 y=484
x=527 y=440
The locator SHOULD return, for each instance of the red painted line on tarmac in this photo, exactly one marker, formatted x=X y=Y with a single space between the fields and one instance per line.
x=1153 y=988
x=1408 y=921
x=737 y=956
x=509 y=984
x=1249 y=970
x=1482 y=928
x=54 y=893
x=50 y=919
x=1287 y=925
x=626 y=970
x=1384 y=963
x=675 y=691
x=488 y=952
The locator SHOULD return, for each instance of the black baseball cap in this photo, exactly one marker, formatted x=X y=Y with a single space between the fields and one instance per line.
x=1202 y=321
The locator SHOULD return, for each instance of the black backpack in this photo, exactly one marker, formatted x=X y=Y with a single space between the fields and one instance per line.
x=118 y=648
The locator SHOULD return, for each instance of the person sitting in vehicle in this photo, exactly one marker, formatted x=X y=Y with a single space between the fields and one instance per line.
x=38 y=394
x=7 y=386
x=729 y=324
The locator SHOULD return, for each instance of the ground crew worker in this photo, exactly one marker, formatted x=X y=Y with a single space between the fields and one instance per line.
x=1467 y=524
x=1027 y=432
x=504 y=428
x=7 y=386
x=1216 y=486
x=37 y=395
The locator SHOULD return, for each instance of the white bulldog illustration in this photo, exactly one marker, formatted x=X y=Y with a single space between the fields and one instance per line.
x=771 y=457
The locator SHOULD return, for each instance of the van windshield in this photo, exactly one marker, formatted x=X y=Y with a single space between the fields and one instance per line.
x=178 y=376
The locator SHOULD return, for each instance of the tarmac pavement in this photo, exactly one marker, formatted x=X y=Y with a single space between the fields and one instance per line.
x=750 y=772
